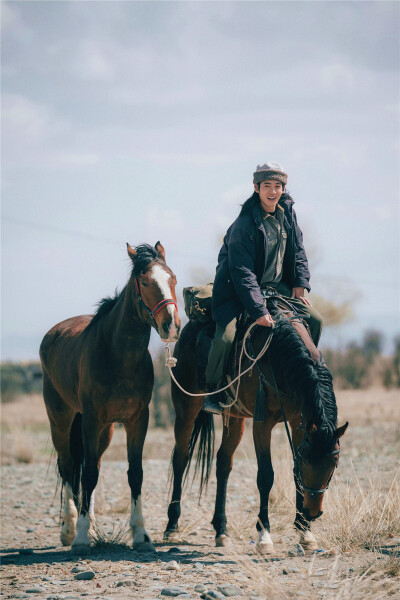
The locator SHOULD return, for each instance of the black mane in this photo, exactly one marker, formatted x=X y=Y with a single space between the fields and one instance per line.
x=293 y=364
x=104 y=307
x=145 y=254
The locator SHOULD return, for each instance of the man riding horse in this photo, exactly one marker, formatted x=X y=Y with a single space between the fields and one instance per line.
x=262 y=252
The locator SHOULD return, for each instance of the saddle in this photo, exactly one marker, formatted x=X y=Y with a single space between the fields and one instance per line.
x=279 y=307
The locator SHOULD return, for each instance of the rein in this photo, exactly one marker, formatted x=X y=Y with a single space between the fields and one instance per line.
x=171 y=361
x=156 y=309
x=297 y=456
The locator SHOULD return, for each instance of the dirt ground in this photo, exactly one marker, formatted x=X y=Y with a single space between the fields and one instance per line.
x=358 y=534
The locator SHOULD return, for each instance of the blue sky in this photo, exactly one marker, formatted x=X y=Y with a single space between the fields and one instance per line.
x=143 y=121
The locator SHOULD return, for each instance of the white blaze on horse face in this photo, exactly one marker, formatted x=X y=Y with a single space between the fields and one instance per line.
x=136 y=522
x=162 y=277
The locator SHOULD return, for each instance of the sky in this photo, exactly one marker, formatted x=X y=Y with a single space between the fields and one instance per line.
x=144 y=121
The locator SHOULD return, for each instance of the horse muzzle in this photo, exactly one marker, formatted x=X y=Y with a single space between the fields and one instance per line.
x=170 y=330
x=309 y=517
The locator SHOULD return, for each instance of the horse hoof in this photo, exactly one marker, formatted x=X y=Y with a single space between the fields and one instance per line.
x=67 y=538
x=81 y=550
x=171 y=536
x=223 y=541
x=143 y=547
x=308 y=541
x=264 y=548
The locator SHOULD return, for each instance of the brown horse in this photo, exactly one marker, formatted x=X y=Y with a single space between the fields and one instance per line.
x=293 y=366
x=97 y=370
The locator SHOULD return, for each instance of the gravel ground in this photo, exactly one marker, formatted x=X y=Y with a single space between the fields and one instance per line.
x=34 y=564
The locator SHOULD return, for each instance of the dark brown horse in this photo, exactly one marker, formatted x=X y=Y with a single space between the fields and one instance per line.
x=293 y=366
x=97 y=370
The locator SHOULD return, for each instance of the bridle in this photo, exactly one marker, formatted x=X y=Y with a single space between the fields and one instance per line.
x=156 y=309
x=297 y=460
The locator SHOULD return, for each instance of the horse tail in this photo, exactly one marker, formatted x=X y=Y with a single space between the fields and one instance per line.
x=76 y=450
x=203 y=433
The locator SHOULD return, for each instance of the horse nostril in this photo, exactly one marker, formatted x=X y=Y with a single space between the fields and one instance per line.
x=165 y=327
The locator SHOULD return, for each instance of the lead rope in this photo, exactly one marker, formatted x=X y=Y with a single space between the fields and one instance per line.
x=170 y=362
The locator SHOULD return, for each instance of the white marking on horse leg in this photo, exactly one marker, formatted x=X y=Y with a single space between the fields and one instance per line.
x=162 y=277
x=70 y=516
x=91 y=507
x=82 y=537
x=265 y=544
x=136 y=522
x=308 y=540
x=264 y=537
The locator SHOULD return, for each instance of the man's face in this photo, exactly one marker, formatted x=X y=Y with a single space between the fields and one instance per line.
x=270 y=192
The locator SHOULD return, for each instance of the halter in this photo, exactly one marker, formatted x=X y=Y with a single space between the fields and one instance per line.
x=298 y=458
x=156 y=309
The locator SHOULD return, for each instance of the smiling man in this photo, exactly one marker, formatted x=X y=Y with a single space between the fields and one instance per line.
x=262 y=249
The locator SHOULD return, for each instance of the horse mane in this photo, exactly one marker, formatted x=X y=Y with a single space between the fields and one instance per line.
x=145 y=254
x=104 y=307
x=312 y=381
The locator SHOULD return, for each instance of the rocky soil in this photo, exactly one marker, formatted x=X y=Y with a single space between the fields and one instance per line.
x=35 y=565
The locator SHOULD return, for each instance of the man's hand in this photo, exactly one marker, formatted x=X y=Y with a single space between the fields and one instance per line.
x=265 y=321
x=298 y=292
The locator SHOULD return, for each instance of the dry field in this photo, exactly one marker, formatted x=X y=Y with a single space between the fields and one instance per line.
x=359 y=530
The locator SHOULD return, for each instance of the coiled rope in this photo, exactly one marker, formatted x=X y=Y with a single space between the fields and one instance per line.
x=171 y=361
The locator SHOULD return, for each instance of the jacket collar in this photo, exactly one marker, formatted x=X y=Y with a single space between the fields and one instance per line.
x=286 y=202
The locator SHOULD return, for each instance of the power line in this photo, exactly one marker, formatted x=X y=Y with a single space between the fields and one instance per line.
x=93 y=237
x=55 y=229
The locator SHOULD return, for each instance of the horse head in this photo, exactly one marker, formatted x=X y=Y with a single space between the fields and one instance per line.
x=154 y=290
x=314 y=469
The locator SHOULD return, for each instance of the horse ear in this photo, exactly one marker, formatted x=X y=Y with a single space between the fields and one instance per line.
x=341 y=430
x=131 y=252
x=311 y=428
x=160 y=250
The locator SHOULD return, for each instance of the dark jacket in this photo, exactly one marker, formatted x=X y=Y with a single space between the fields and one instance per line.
x=243 y=258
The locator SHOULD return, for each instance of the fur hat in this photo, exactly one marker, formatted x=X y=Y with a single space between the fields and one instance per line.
x=270 y=170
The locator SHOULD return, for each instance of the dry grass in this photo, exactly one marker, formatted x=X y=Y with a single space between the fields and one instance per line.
x=361 y=514
x=116 y=537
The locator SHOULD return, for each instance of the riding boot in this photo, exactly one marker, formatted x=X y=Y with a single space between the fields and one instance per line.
x=212 y=402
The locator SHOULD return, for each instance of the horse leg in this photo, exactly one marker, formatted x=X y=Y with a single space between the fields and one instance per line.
x=90 y=475
x=136 y=431
x=265 y=480
x=182 y=429
x=64 y=426
x=104 y=441
x=230 y=440
x=307 y=538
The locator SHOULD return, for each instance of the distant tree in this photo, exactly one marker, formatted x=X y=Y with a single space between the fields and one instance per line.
x=20 y=378
x=372 y=344
x=396 y=361
x=334 y=314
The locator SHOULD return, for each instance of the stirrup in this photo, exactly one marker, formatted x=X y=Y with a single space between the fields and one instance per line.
x=212 y=404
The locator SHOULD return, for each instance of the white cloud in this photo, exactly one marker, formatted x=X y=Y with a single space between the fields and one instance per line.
x=93 y=62
x=75 y=159
x=11 y=21
x=29 y=121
